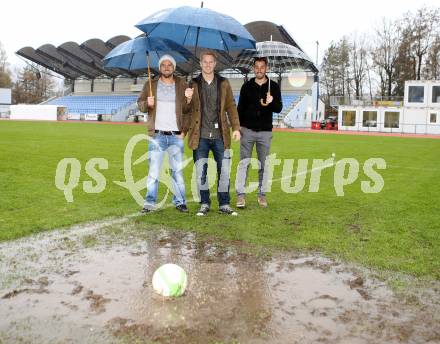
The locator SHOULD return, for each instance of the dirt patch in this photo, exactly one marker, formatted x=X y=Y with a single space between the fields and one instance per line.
x=61 y=289
x=97 y=302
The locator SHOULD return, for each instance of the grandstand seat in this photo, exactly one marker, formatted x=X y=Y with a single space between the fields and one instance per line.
x=101 y=105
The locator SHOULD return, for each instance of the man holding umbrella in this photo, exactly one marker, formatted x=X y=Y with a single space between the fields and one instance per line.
x=259 y=98
x=214 y=111
x=165 y=101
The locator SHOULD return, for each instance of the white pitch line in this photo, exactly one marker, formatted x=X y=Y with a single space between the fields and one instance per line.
x=304 y=172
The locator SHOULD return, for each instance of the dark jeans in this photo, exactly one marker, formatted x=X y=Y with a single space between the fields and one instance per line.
x=223 y=162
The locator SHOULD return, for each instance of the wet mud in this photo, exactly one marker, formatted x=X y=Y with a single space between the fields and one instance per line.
x=92 y=284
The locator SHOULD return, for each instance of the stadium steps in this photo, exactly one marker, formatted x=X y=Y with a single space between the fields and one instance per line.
x=278 y=120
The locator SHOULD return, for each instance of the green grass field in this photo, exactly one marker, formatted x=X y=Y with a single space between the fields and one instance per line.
x=396 y=230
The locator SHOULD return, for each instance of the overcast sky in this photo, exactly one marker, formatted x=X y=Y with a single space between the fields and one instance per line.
x=33 y=23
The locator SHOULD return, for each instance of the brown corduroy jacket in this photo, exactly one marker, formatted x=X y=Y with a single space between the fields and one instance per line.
x=228 y=116
x=182 y=108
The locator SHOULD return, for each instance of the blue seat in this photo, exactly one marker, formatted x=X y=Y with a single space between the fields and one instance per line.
x=94 y=104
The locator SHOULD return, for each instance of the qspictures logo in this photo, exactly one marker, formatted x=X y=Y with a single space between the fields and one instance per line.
x=346 y=171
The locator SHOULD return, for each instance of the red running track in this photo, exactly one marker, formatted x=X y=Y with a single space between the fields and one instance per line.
x=291 y=130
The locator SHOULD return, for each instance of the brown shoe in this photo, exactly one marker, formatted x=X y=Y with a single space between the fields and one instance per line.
x=241 y=202
x=262 y=201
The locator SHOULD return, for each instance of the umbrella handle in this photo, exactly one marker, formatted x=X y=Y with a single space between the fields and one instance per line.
x=262 y=100
x=149 y=74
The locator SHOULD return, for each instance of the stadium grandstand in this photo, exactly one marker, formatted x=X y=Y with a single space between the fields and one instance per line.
x=98 y=93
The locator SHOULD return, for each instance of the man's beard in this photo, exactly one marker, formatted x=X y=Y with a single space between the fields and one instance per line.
x=167 y=76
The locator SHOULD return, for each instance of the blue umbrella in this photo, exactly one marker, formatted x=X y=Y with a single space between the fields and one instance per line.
x=136 y=53
x=198 y=27
x=132 y=55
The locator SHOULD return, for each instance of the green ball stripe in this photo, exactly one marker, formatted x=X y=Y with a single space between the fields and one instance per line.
x=175 y=288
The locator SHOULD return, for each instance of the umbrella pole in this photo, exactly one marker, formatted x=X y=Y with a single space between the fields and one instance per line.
x=195 y=57
x=149 y=74
x=268 y=89
x=195 y=53
x=263 y=103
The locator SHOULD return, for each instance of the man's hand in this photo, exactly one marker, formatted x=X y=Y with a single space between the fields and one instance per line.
x=150 y=102
x=181 y=136
x=269 y=98
x=236 y=135
x=188 y=94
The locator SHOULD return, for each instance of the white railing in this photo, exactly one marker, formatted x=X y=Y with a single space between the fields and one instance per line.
x=295 y=117
x=336 y=101
x=128 y=110
x=390 y=127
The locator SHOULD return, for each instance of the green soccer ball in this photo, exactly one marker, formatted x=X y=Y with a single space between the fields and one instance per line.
x=170 y=280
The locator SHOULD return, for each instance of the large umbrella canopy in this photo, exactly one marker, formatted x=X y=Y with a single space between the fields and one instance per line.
x=281 y=57
x=132 y=55
x=198 y=27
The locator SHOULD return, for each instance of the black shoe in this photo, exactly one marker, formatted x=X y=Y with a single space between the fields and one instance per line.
x=182 y=208
x=146 y=210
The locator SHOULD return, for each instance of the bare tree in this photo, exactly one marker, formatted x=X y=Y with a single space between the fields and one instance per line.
x=335 y=72
x=328 y=71
x=344 y=65
x=406 y=67
x=358 y=56
x=369 y=68
x=5 y=75
x=3 y=58
x=32 y=86
x=420 y=31
x=385 y=52
x=404 y=49
x=432 y=68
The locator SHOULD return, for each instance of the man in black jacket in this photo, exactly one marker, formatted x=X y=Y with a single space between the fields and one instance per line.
x=255 y=108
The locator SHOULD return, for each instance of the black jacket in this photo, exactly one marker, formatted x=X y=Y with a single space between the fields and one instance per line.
x=252 y=114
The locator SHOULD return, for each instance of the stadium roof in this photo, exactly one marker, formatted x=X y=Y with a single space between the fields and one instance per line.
x=73 y=60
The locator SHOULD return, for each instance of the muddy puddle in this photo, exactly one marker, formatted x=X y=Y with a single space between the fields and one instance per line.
x=92 y=284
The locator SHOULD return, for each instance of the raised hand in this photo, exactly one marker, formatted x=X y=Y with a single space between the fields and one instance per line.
x=150 y=102
x=269 y=98
x=189 y=93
